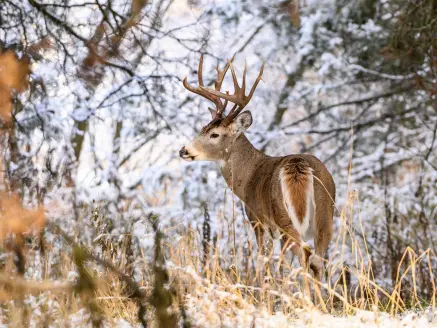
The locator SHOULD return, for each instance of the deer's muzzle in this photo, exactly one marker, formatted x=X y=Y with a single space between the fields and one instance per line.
x=183 y=153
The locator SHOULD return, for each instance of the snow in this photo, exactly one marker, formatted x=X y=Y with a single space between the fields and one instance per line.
x=140 y=173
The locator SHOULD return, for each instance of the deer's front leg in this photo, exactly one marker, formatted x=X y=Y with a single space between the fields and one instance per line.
x=258 y=229
x=264 y=249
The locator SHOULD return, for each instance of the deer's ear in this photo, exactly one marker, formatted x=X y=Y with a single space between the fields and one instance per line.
x=213 y=112
x=243 y=121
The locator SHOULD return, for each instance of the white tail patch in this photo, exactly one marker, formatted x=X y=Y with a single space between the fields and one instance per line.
x=303 y=228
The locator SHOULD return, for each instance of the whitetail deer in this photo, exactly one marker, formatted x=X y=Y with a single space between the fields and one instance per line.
x=293 y=194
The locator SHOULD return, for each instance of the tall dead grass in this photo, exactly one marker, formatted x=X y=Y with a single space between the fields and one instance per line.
x=193 y=277
x=348 y=285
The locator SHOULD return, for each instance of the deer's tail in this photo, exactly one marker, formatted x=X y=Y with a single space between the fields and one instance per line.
x=297 y=184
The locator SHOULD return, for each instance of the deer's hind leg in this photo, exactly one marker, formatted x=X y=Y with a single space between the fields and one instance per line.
x=291 y=239
x=322 y=238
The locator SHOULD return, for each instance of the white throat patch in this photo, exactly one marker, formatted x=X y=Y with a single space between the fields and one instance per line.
x=220 y=163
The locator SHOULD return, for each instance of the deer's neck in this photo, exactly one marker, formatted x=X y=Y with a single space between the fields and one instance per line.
x=238 y=169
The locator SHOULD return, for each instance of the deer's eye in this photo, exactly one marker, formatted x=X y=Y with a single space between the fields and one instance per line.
x=214 y=135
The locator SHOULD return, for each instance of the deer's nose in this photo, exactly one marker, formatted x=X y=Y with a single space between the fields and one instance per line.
x=182 y=152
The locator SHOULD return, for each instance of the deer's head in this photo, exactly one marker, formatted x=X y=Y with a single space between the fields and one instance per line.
x=214 y=142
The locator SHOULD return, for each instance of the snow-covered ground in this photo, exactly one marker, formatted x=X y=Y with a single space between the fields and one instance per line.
x=204 y=313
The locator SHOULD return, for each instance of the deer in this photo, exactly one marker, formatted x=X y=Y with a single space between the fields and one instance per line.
x=292 y=194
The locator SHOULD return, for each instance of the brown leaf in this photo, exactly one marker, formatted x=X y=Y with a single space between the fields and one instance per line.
x=137 y=6
x=5 y=105
x=14 y=76
x=14 y=72
x=17 y=220
x=40 y=46
x=291 y=7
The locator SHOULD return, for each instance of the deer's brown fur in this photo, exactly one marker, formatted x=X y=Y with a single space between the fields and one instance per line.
x=297 y=181
x=291 y=194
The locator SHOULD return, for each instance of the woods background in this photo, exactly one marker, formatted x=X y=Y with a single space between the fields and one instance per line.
x=100 y=114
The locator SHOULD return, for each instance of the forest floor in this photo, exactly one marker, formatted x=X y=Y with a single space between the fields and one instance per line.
x=63 y=278
x=176 y=290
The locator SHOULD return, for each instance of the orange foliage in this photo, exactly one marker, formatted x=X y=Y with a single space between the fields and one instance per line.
x=14 y=77
x=14 y=219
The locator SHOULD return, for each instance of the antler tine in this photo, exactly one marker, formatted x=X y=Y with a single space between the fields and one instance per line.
x=259 y=78
x=221 y=74
x=200 y=71
x=238 y=91
x=198 y=91
x=235 y=80
x=226 y=102
x=243 y=84
x=232 y=111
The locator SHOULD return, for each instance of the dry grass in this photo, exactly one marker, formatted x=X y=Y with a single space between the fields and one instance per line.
x=345 y=290
x=214 y=290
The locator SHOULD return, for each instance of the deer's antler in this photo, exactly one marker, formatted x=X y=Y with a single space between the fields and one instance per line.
x=202 y=91
x=239 y=97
